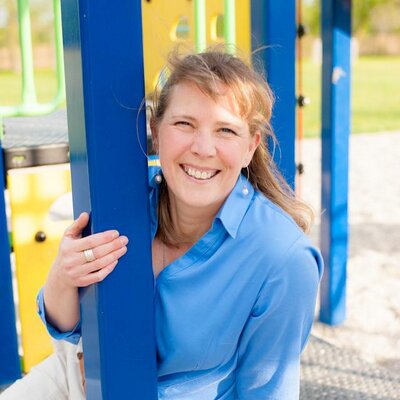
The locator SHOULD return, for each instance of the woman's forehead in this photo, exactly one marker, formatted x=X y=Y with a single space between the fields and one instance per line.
x=220 y=94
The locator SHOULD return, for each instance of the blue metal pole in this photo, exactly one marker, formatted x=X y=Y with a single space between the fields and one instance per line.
x=336 y=84
x=10 y=369
x=105 y=87
x=273 y=24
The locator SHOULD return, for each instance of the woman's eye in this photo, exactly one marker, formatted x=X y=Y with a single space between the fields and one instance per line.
x=183 y=123
x=228 y=131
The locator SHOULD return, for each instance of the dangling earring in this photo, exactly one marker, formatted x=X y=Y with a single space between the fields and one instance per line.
x=245 y=190
x=158 y=178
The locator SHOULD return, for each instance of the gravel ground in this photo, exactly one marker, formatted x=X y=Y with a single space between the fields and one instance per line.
x=372 y=327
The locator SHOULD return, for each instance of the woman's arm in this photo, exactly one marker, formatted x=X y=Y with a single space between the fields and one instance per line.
x=278 y=327
x=70 y=271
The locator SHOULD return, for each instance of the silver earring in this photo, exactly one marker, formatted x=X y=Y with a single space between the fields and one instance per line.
x=245 y=190
x=158 y=178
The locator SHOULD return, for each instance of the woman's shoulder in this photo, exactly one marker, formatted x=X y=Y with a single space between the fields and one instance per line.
x=280 y=242
x=271 y=231
x=267 y=219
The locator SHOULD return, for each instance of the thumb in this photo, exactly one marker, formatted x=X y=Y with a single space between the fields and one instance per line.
x=75 y=230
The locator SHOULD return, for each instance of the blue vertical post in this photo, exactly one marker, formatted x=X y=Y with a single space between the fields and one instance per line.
x=336 y=83
x=273 y=24
x=105 y=87
x=10 y=369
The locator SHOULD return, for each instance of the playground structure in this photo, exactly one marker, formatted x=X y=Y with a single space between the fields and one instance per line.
x=113 y=59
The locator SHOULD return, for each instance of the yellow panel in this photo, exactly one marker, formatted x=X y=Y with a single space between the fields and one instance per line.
x=159 y=19
x=32 y=191
x=161 y=16
x=243 y=27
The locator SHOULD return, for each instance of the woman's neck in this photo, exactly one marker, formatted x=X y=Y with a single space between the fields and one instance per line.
x=191 y=223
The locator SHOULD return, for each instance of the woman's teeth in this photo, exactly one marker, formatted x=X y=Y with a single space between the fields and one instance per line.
x=195 y=173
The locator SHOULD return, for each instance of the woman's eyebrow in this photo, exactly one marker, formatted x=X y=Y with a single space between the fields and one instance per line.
x=230 y=124
x=184 y=116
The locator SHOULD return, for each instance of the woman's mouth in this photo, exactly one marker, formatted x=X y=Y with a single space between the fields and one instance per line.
x=200 y=174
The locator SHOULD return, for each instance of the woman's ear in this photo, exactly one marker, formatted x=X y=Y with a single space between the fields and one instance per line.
x=255 y=140
x=154 y=134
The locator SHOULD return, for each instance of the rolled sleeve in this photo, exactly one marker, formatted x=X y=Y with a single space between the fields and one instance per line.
x=71 y=336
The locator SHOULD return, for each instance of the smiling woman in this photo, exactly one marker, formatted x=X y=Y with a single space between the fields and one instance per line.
x=235 y=276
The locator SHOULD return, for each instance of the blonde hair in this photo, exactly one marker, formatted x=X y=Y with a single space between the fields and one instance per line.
x=255 y=100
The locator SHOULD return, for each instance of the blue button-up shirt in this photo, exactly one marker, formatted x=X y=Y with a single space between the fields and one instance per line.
x=235 y=311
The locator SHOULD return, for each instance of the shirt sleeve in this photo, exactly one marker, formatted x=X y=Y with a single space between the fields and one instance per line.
x=278 y=327
x=71 y=336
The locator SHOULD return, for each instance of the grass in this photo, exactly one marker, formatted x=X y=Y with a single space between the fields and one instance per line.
x=375 y=93
x=11 y=86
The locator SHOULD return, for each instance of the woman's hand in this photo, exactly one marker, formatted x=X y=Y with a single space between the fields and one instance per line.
x=75 y=269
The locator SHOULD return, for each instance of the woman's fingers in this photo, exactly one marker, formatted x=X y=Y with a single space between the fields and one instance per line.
x=77 y=256
x=95 y=240
x=116 y=244
x=87 y=273
x=71 y=265
x=75 y=230
x=97 y=276
x=103 y=262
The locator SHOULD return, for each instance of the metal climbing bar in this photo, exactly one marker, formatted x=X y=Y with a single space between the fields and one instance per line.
x=200 y=28
x=230 y=25
x=28 y=80
x=336 y=85
x=105 y=89
x=273 y=34
x=29 y=105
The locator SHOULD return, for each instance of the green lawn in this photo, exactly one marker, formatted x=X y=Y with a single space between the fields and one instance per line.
x=10 y=87
x=375 y=93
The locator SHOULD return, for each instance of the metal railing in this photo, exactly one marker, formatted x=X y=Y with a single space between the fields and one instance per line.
x=200 y=25
x=29 y=105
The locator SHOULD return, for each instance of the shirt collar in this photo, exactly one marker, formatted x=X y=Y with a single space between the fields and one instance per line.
x=233 y=210
x=230 y=214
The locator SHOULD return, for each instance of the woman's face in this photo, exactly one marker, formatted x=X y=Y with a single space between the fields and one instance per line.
x=203 y=144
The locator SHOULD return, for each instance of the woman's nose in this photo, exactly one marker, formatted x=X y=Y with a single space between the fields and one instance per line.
x=203 y=144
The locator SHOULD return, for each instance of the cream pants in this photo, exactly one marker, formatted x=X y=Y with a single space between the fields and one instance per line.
x=58 y=377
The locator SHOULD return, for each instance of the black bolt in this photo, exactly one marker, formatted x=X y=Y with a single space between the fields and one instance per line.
x=40 y=236
x=303 y=101
x=301 y=31
x=300 y=168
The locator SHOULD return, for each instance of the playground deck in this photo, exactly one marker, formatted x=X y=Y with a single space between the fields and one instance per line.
x=328 y=372
x=34 y=141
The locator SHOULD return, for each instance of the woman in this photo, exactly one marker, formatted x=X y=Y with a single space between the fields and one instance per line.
x=236 y=277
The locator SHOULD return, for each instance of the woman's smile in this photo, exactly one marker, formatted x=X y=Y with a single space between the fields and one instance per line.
x=199 y=173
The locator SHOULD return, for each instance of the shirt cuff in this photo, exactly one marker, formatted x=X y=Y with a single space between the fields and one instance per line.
x=71 y=336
